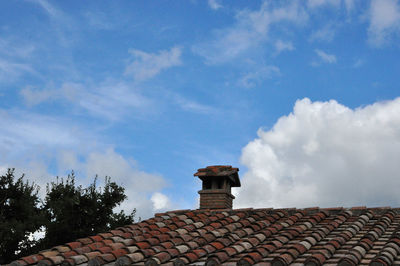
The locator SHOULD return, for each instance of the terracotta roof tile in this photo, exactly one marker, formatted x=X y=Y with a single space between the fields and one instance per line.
x=313 y=236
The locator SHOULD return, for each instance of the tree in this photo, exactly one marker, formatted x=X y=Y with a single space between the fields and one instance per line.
x=20 y=216
x=67 y=213
x=73 y=212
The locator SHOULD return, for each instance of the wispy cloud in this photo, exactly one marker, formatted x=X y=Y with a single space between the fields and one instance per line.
x=250 y=30
x=22 y=130
x=358 y=63
x=147 y=65
x=323 y=3
x=49 y=8
x=33 y=142
x=33 y=96
x=63 y=25
x=324 y=34
x=281 y=46
x=115 y=101
x=350 y=5
x=255 y=77
x=384 y=18
x=325 y=57
x=9 y=70
x=193 y=106
x=109 y=100
x=99 y=20
x=214 y=4
x=16 y=48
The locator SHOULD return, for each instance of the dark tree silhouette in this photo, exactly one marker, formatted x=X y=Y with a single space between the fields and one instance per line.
x=20 y=215
x=67 y=213
x=73 y=212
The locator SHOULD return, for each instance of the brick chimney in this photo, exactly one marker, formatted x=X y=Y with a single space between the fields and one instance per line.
x=217 y=183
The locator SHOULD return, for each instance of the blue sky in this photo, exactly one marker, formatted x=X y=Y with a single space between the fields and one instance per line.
x=147 y=92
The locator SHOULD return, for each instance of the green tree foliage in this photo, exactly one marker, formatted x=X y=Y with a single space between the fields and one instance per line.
x=20 y=215
x=73 y=212
x=67 y=213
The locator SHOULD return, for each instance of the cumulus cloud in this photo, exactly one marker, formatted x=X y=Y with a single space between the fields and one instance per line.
x=325 y=154
x=250 y=30
x=160 y=201
x=147 y=65
x=384 y=18
x=325 y=57
x=142 y=188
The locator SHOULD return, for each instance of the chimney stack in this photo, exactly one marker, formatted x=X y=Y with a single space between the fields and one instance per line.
x=217 y=182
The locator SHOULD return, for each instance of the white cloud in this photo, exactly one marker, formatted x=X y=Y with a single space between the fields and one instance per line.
x=34 y=97
x=68 y=91
x=23 y=130
x=3 y=169
x=325 y=34
x=16 y=48
x=114 y=100
x=147 y=65
x=250 y=30
x=322 y=3
x=214 y=4
x=99 y=20
x=9 y=71
x=325 y=154
x=43 y=146
x=160 y=201
x=64 y=26
x=30 y=142
x=384 y=19
x=140 y=187
x=193 y=106
x=358 y=63
x=50 y=10
x=325 y=57
x=111 y=100
x=255 y=77
x=350 y=5
x=281 y=46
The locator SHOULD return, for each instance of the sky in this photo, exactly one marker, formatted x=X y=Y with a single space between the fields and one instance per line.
x=302 y=96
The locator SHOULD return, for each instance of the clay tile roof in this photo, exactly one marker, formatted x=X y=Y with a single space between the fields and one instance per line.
x=313 y=236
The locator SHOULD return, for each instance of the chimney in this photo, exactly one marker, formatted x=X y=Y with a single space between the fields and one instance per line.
x=217 y=182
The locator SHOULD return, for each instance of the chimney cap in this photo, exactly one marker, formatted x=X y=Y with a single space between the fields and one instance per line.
x=220 y=171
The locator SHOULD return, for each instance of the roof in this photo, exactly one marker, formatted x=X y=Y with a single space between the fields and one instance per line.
x=220 y=171
x=313 y=236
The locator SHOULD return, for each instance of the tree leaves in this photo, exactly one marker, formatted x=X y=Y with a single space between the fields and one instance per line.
x=19 y=215
x=68 y=212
